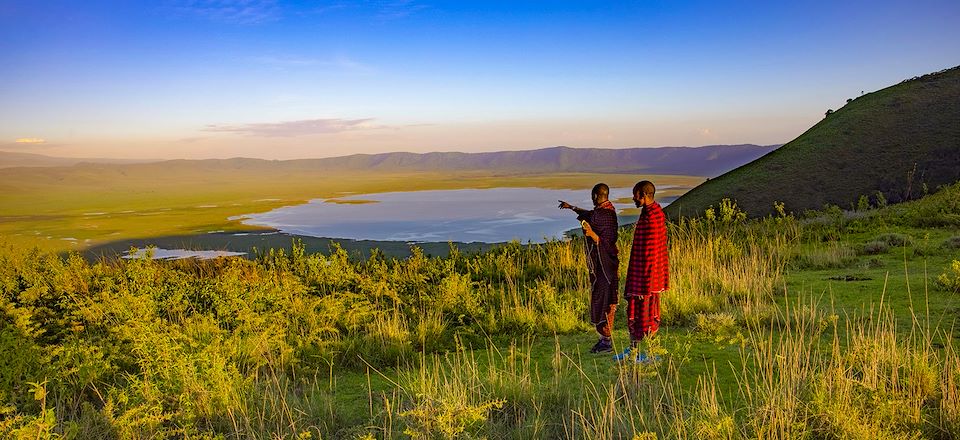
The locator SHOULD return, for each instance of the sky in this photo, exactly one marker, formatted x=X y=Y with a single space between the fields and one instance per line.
x=281 y=79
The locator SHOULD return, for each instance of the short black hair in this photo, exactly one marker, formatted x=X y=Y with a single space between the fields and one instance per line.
x=645 y=187
x=602 y=190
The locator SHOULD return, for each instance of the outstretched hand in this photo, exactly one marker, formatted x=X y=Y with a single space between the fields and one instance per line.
x=564 y=205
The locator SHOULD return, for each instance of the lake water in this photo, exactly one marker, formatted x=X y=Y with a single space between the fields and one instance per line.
x=466 y=215
x=179 y=254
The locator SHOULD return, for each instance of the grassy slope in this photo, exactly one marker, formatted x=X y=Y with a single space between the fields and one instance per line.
x=874 y=143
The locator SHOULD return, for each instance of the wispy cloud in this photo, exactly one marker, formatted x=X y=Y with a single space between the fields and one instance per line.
x=245 y=12
x=707 y=133
x=28 y=144
x=231 y=11
x=326 y=8
x=351 y=65
x=297 y=128
x=291 y=61
x=190 y=140
x=397 y=9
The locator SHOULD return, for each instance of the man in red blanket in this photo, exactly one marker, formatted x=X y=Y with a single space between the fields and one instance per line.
x=600 y=227
x=648 y=273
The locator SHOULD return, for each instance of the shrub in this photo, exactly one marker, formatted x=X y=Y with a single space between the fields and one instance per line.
x=874 y=247
x=833 y=256
x=871 y=263
x=41 y=426
x=949 y=280
x=881 y=200
x=952 y=242
x=728 y=212
x=894 y=239
x=720 y=327
x=940 y=209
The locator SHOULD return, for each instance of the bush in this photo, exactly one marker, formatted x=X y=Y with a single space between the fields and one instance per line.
x=833 y=256
x=894 y=239
x=874 y=247
x=727 y=213
x=949 y=280
x=720 y=327
x=871 y=263
x=940 y=209
x=952 y=242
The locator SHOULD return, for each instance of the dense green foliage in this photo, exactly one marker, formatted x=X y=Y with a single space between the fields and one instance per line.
x=899 y=143
x=294 y=345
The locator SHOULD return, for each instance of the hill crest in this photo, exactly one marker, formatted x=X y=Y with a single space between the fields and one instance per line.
x=902 y=141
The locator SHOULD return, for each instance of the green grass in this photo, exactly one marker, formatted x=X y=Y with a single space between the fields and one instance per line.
x=763 y=338
x=901 y=141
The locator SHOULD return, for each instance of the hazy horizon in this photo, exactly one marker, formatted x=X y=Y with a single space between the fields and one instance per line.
x=273 y=79
x=383 y=152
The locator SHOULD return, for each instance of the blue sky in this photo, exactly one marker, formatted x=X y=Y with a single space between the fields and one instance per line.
x=279 y=79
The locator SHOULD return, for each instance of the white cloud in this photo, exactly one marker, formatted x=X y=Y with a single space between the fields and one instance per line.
x=231 y=11
x=342 y=63
x=284 y=61
x=397 y=9
x=297 y=128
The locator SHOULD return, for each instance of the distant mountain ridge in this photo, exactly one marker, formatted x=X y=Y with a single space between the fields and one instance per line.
x=707 y=161
x=12 y=160
x=697 y=161
x=902 y=142
x=693 y=161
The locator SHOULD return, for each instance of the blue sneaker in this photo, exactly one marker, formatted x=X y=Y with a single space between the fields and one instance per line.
x=642 y=358
x=639 y=358
x=622 y=356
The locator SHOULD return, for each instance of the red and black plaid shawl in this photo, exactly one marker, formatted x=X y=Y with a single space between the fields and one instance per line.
x=602 y=260
x=603 y=221
x=648 y=271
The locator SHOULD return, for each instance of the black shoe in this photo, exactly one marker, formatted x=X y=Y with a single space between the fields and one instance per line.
x=602 y=346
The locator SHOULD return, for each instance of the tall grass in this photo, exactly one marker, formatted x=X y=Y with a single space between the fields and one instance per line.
x=810 y=376
x=256 y=349
x=731 y=268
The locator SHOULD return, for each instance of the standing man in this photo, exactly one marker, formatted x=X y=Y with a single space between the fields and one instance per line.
x=648 y=273
x=600 y=227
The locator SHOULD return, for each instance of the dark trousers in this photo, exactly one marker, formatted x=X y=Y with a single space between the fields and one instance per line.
x=605 y=328
x=604 y=292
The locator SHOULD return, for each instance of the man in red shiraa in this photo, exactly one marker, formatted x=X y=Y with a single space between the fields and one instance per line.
x=648 y=273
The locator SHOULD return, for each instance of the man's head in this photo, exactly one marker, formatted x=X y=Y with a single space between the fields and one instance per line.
x=600 y=193
x=643 y=193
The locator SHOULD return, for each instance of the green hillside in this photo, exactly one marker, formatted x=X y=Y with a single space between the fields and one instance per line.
x=902 y=141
